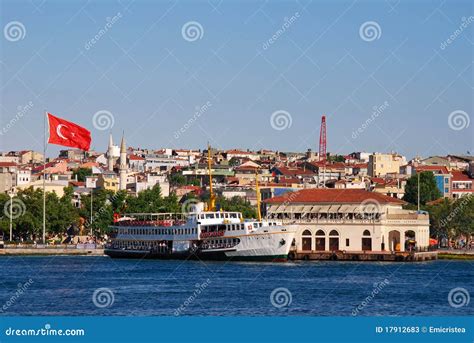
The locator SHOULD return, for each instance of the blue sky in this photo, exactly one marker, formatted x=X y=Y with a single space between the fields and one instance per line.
x=151 y=77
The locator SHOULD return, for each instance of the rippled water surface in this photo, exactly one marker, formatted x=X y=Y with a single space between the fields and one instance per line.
x=66 y=286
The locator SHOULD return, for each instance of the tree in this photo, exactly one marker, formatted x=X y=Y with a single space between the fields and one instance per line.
x=335 y=158
x=452 y=218
x=237 y=204
x=428 y=189
x=81 y=173
x=177 y=179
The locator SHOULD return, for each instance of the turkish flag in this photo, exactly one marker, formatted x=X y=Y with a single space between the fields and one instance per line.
x=66 y=133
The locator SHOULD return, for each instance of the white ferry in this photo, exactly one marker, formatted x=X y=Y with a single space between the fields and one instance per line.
x=205 y=235
x=201 y=235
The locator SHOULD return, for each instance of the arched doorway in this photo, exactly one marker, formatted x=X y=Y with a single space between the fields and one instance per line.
x=320 y=240
x=410 y=240
x=394 y=240
x=333 y=240
x=366 y=241
x=306 y=241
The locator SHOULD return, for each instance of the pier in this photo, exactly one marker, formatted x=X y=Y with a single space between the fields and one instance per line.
x=386 y=256
x=45 y=250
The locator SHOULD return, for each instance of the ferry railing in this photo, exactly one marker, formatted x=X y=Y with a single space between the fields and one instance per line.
x=153 y=219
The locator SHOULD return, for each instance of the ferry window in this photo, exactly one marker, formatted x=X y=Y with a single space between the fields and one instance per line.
x=242 y=226
x=210 y=216
x=226 y=215
x=233 y=215
x=255 y=225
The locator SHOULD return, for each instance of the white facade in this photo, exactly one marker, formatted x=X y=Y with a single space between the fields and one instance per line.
x=354 y=227
x=23 y=176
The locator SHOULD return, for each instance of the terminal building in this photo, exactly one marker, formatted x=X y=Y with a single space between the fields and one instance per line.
x=350 y=220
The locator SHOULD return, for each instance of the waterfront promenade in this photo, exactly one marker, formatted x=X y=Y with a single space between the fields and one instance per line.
x=44 y=250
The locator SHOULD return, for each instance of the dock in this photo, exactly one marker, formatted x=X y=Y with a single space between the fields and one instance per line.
x=48 y=250
x=386 y=256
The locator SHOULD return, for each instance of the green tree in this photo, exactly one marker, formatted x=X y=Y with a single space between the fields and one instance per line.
x=81 y=173
x=177 y=179
x=237 y=204
x=428 y=189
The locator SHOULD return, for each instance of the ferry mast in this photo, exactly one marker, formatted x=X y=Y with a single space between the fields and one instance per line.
x=212 y=198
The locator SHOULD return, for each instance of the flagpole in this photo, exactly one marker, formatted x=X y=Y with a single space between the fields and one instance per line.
x=44 y=179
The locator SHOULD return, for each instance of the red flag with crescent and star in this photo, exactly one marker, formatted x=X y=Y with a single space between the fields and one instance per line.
x=66 y=133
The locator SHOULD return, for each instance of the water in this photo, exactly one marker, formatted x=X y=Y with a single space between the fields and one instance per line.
x=65 y=286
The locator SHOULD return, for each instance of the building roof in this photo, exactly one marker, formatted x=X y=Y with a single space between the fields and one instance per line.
x=135 y=158
x=239 y=152
x=294 y=171
x=8 y=164
x=460 y=176
x=438 y=169
x=322 y=195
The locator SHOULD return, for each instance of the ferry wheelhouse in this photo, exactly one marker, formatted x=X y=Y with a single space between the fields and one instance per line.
x=216 y=235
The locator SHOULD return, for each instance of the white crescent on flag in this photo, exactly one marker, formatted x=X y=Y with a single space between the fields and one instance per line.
x=58 y=131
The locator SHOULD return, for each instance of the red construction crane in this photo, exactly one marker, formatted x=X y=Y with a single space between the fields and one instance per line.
x=322 y=140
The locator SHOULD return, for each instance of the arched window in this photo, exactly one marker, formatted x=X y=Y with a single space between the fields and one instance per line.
x=333 y=233
x=306 y=233
x=366 y=233
x=320 y=233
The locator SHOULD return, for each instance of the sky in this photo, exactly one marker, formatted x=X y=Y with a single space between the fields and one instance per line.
x=388 y=75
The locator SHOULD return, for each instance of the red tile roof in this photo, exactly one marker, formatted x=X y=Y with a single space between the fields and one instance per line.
x=135 y=158
x=294 y=171
x=8 y=164
x=77 y=183
x=460 y=176
x=439 y=169
x=319 y=195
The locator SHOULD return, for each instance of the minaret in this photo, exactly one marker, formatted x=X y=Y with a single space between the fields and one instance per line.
x=110 y=154
x=123 y=166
